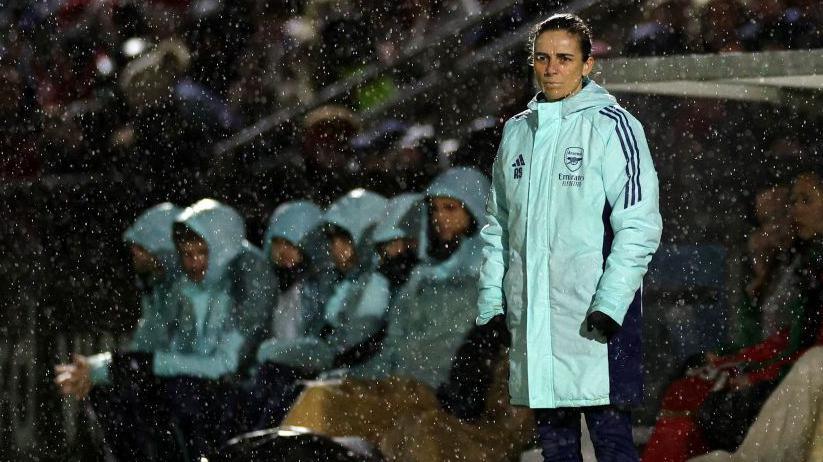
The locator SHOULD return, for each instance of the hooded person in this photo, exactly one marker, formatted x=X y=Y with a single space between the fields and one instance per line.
x=118 y=406
x=220 y=303
x=431 y=320
x=354 y=310
x=290 y=246
x=395 y=240
x=151 y=233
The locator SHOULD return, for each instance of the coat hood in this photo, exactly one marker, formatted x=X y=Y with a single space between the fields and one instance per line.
x=222 y=228
x=465 y=184
x=591 y=95
x=356 y=212
x=402 y=213
x=152 y=230
x=292 y=221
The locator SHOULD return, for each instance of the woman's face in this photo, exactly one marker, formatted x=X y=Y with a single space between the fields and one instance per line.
x=807 y=206
x=194 y=258
x=449 y=218
x=395 y=248
x=284 y=254
x=558 y=64
x=342 y=251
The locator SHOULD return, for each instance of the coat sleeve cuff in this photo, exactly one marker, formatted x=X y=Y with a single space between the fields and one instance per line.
x=306 y=353
x=162 y=364
x=609 y=309
x=99 y=368
x=487 y=316
x=266 y=350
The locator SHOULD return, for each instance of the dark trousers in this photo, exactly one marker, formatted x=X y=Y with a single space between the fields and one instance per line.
x=134 y=422
x=610 y=430
x=203 y=410
x=275 y=389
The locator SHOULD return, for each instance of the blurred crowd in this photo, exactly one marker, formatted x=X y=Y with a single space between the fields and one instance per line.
x=722 y=26
x=148 y=88
x=93 y=85
x=739 y=400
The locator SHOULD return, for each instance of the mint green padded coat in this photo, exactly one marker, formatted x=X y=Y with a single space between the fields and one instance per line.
x=573 y=222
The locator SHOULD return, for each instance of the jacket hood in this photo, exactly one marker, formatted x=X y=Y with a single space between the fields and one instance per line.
x=400 y=218
x=152 y=230
x=356 y=212
x=223 y=229
x=591 y=95
x=465 y=184
x=292 y=221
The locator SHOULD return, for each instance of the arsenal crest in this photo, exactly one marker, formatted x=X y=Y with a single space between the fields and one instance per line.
x=573 y=158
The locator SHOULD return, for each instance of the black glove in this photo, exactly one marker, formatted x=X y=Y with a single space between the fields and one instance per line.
x=604 y=324
x=326 y=331
x=362 y=351
x=500 y=330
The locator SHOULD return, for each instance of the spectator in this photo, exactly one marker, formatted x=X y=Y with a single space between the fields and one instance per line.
x=375 y=153
x=67 y=72
x=19 y=131
x=496 y=26
x=415 y=159
x=398 y=26
x=664 y=34
x=756 y=369
x=479 y=146
x=274 y=72
x=217 y=308
x=788 y=425
x=126 y=410
x=720 y=22
x=346 y=49
x=776 y=26
x=327 y=152
x=771 y=290
x=289 y=245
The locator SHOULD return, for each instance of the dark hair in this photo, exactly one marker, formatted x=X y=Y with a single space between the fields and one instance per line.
x=182 y=234
x=568 y=22
x=332 y=230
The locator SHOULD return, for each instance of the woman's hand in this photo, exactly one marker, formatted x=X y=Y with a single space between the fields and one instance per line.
x=74 y=379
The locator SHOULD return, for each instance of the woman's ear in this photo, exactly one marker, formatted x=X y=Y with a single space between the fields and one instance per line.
x=588 y=65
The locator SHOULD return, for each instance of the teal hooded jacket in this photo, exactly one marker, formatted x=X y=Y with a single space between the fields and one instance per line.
x=357 y=303
x=151 y=231
x=220 y=316
x=433 y=312
x=298 y=223
x=573 y=222
x=401 y=220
